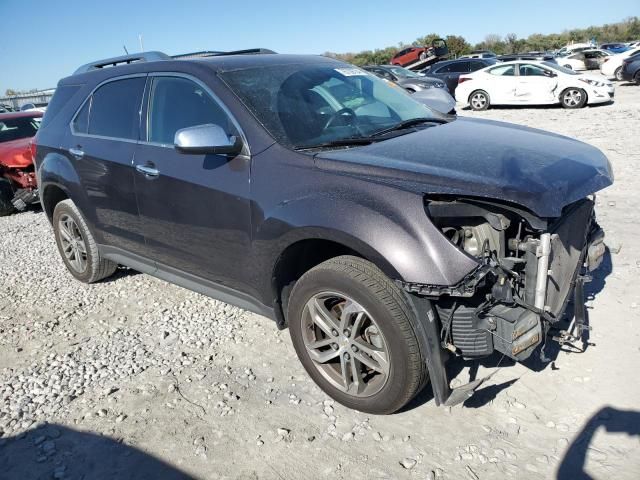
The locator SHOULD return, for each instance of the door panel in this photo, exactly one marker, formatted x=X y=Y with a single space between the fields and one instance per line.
x=501 y=84
x=534 y=85
x=196 y=211
x=104 y=136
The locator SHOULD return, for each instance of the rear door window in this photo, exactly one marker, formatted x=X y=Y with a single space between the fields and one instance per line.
x=476 y=65
x=115 y=109
x=503 y=70
x=178 y=103
x=458 y=67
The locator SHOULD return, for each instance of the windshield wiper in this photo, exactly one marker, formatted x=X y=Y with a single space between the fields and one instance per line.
x=409 y=123
x=342 y=142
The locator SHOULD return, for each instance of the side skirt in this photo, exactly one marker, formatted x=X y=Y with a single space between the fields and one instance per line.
x=186 y=280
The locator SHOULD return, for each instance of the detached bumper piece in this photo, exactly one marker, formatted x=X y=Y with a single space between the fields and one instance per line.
x=24 y=197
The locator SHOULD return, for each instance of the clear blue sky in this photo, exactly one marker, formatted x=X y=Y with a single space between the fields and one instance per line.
x=46 y=40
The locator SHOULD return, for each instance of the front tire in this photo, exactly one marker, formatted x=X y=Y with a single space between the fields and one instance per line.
x=636 y=78
x=6 y=195
x=354 y=332
x=573 y=98
x=479 y=100
x=77 y=246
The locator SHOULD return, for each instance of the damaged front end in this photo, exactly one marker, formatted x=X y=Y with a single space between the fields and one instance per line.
x=527 y=269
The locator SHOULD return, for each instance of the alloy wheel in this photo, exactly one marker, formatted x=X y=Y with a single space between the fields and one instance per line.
x=478 y=101
x=345 y=344
x=572 y=97
x=73 y=243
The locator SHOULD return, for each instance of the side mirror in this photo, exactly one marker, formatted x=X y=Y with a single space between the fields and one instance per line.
x=208 y=138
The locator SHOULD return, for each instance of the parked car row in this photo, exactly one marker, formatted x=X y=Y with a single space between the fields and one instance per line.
x=613 y=65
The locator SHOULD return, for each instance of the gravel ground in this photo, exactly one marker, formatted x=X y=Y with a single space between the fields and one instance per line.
x=136 y=378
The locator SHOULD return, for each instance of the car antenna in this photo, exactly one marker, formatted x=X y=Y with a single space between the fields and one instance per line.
x=125 y=49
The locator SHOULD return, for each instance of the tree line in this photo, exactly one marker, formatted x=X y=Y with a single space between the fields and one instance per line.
x=626 y=31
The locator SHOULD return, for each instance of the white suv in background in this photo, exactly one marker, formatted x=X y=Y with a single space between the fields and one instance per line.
x=612 y=66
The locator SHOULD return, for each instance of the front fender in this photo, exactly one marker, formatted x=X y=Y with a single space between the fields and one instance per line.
x=389 y=227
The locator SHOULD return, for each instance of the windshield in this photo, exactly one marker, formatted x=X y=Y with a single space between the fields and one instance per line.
x=17 y=128
x=303 y=105
x=559 y=68
x=404 y=72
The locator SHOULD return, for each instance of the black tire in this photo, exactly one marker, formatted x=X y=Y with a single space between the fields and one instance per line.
x=475 y=100
x=636 y=77
x=6 y=195
x=367 y=285
x=618 y=74
x=423 y=56
x=96 y=267
x=568 y=66
x=569 y=98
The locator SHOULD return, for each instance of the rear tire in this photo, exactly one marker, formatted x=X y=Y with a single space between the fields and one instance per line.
x=77 y=246
x=618 y=74
x=355 y=334
x=479 y=100
x=423 y=56
x=6 y=195
x=568 y=66
x=573 y=97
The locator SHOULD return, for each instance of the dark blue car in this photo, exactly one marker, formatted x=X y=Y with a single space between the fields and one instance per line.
x=614 y=47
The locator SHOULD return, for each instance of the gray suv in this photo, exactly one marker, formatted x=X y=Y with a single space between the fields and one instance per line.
x=385 y=236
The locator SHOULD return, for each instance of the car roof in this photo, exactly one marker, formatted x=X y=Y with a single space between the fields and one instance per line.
x=217 y=64
x=9 y=115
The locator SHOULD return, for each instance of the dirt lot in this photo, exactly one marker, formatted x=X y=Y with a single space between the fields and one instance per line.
x=136 y=378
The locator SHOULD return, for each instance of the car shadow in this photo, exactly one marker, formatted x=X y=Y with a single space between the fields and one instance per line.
x=572 y=466
x=121 y=272
x=56 y=451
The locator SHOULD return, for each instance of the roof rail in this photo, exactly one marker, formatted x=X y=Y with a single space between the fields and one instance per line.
x=124 y=59
x=211 y=53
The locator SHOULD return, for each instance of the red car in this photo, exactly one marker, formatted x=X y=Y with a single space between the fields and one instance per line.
x=18 y=186
x=411 y=55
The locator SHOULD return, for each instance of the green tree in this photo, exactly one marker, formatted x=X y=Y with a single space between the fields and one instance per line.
x=457 y=45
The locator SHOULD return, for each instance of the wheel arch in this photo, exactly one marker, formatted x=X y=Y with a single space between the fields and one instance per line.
x=303 y=254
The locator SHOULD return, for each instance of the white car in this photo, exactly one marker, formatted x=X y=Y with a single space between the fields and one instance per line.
x=584 y=60
x=531 y=83
x=612 y=66
x=576 y=47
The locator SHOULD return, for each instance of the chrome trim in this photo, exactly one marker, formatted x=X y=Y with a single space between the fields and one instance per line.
x=543 y=253
x=76 y=152
x=148 y=171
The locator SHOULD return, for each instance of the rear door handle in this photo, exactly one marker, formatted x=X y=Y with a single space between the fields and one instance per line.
x=148 y=171
x=76 y=152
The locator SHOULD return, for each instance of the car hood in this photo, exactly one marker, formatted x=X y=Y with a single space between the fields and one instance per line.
x=15 y=153
x=538 y=170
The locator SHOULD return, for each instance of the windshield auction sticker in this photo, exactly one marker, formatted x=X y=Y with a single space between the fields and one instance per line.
x=350 y=72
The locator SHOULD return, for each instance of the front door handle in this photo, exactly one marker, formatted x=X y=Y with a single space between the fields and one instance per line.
x=76 y=152
x=147 y=170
